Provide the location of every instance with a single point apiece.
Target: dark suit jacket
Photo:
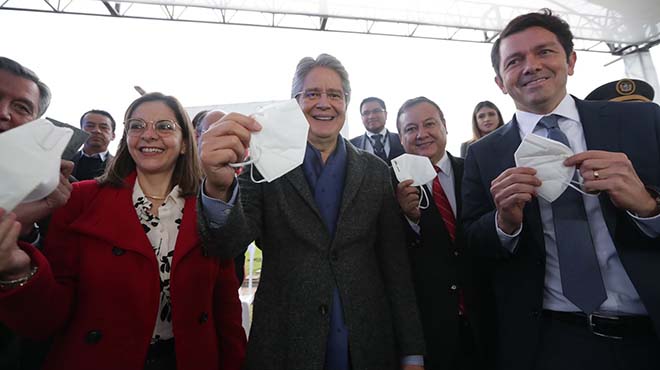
(630, 128)
(302, 264)
(76, 159)
(396, 149)
(440, 267)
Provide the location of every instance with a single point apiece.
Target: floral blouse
(162, 231)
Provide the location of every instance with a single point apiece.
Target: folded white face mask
(280, 145)
(30, 165)
(417, 168)
(547, 157)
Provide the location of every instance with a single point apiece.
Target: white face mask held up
(547, 157)
(280, 145)
(417, 168)
(30, 165)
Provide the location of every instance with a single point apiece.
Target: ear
(571, 63)
(113, 136)
(500, 84)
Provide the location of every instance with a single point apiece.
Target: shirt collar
(566, 109)
(174, 195)
(102, 155)
(444, 164)
(382, 132)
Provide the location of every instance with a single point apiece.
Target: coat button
(453, 287)
(118, 251)
(535, 314)
(204, 317)
(457, 253)
(93, 337)
(334, 256)
(323, 309)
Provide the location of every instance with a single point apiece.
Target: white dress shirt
(622, 297)
(446, 177)
(385, 138)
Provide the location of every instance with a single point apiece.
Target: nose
(323, 101)
(532, 64)
(421, 132)
(5, 115)
(149, 133)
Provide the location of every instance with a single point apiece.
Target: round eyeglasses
(137, 126)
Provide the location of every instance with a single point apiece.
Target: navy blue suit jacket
(396, 149)
(630, 128)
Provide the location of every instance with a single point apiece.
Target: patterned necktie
(441, 201)
(379, 149)
(581, 280)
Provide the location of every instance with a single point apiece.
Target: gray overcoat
(302, 264)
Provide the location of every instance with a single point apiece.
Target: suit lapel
(188, 237)
(395, 145)
(599, 131)
(356, 166)
(298, 181)
(457, 168)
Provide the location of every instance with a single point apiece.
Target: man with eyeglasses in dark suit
(377, 140)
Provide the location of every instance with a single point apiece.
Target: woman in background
(124, 282)
(485, 119)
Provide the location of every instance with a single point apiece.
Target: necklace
(155, 197)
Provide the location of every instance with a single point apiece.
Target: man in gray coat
(335, 289)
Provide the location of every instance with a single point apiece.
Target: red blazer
(97, 290)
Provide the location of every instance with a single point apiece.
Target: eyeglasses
(137, 126)
(314, 95)
(373, 111)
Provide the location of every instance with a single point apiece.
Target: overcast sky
(94, 62)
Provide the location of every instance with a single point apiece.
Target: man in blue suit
(577, 281)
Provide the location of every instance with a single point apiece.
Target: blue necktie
(379, 149)
(580, 273)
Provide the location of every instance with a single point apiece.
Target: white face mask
(30, 161)
(417, 168)
(280, 145)
(547, 157)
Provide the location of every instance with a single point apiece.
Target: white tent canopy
(625, 28)
(619, 24)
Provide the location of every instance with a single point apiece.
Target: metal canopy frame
(458, 24)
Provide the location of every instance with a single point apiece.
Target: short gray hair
(18, 70)
(306, 64)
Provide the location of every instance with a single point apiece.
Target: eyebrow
(27, 102)
(536, 47)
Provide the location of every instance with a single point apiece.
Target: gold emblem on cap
(625, 87)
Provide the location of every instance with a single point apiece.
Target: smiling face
(152, 152)
(423, 131)
(325, 114)
(487, 120)
(534, 69)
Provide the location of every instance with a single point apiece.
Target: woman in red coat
(124, 282)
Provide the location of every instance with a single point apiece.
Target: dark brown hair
(187, 171)
(544, 19)
(476, 133)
